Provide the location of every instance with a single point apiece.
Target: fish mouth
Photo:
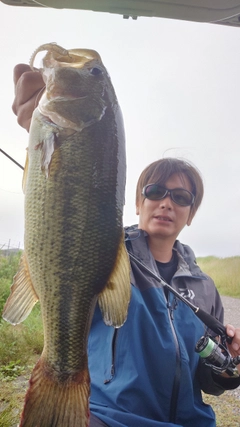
(71, 66)
(76, 58)
(58, 56)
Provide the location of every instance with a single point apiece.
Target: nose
(166, 203)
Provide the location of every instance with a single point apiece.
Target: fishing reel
(217, 356)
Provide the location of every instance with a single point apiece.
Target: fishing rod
(206, 318)
(214, 354)
(14, 161)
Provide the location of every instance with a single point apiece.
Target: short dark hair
(161, 170)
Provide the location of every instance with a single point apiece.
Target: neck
(161, 250)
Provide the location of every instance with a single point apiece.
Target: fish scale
(74, 253)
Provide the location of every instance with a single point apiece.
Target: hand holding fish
(28, 86)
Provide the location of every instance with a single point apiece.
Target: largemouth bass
(74, 254)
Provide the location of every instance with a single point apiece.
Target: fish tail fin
(56, 401)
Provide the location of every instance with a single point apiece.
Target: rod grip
(213, 323)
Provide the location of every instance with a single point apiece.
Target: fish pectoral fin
(114, 299)
(47, 147)
(23, 296)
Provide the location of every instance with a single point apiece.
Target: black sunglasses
(178, 195)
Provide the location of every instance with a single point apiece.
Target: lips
(163, 218)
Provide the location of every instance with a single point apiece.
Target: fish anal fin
(22, 297)
(52, 400)
(114, 299)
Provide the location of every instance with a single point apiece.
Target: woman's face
(164, 218)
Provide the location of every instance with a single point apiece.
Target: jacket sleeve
(207, 381)
(210, 382)
(217, 307)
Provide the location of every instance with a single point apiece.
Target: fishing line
(9, 157)
(9, 191)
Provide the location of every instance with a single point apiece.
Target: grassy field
(225, 272)
(21, 345)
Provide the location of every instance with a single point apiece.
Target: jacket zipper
(176, 384)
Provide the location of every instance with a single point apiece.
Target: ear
(137, 210)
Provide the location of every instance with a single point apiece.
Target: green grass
(226, 408)
(18, 342)
(21, 345)
(225, 272)
(8, 268)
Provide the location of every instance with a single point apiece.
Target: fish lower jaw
(55, 120)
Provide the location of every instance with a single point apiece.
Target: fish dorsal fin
(23, 296)
(114, 299)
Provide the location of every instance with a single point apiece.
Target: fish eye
(95, 71)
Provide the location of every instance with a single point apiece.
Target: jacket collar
(136, 242)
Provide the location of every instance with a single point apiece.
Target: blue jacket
(146, 374)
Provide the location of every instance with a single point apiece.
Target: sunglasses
(178, 195)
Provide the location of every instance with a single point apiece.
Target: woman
(147, 373)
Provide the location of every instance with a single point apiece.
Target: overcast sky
(178, 85)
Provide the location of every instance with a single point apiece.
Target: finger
(235, 345)
(28, 89)
(230, 330)
(18, 70)
(27, 85)
(25, 111)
